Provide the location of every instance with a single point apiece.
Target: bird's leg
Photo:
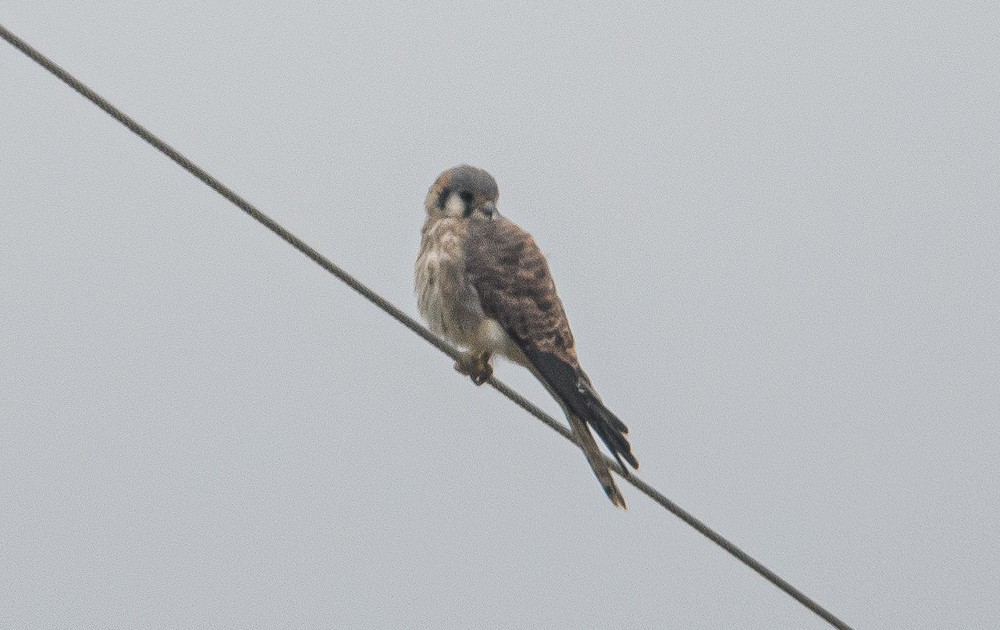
(475, 365)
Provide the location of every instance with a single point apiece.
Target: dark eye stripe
(466, 196)
(443, 197)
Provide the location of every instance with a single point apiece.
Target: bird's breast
(445, 297)
(430, 299)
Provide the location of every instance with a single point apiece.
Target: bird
(482, 283)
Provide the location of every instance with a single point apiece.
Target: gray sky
(775, 230)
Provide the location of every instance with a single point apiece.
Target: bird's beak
(489, 209)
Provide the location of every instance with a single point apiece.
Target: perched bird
(482, 283)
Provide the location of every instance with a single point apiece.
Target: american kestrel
(482, 283)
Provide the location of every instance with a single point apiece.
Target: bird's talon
(484, 375)
(475, 367)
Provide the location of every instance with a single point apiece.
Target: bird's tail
(571, 387)
(596, 460)
(612, 431)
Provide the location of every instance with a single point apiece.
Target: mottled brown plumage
(482, 282)
(510, 273)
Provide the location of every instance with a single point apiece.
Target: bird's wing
(516, 289)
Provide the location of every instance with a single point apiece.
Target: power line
(406, 320)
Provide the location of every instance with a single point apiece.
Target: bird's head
(463, 192)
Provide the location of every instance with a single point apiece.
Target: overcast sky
(775, 229)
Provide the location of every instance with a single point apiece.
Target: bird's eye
(466, 196)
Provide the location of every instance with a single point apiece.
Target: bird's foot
(475, 365)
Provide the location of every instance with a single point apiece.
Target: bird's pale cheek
(454, 207)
